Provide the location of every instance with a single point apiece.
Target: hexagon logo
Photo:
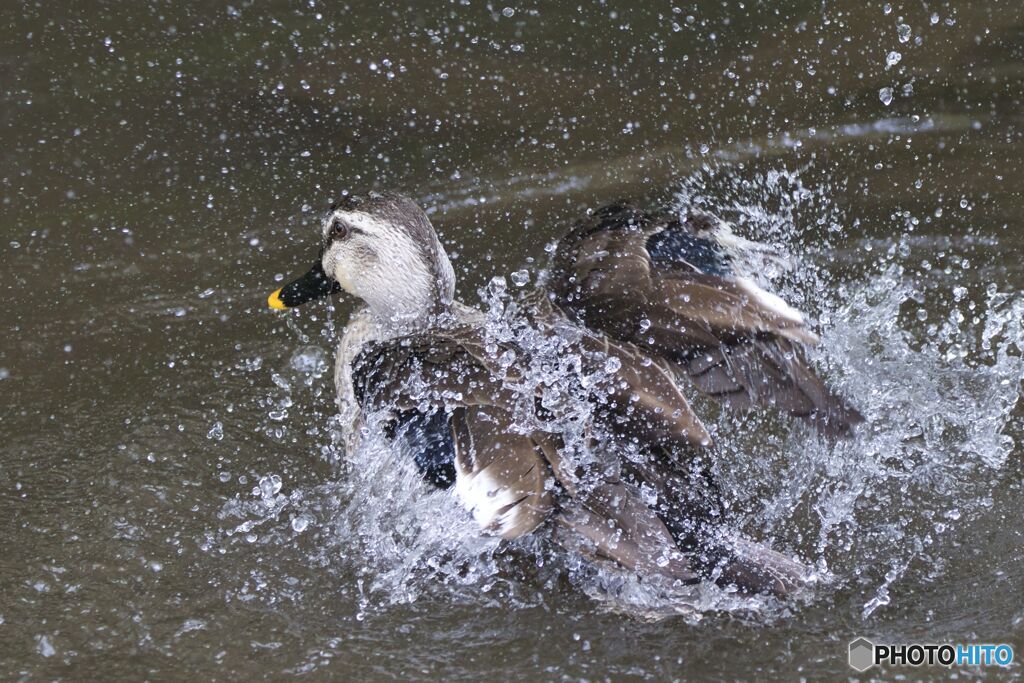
(862, 654)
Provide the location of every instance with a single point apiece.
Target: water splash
(939, 396)
(934, 363)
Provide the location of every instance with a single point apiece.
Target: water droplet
(45, 647)
(496, 287)
(892, 59)
(508, 12)
(216, 432)
(269, 486)
(885, 95)
(300, 523)
(612, 365)
(309, 360)
(903, 31)
(520, 278)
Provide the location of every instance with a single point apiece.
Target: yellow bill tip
(274, 301)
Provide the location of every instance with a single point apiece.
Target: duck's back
(674, 288)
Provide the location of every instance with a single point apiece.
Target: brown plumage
(634, 301)
(732, 342)
(454, 369)
(594, 512)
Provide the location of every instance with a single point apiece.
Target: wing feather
(613, 523)
(501, 475)
(738, 343)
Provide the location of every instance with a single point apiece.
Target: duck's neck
(410, 320)
(413, 291)
(408, 310)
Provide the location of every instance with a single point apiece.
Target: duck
(570, 418)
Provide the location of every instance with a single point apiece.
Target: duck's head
(382, 249)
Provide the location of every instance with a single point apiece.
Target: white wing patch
(494, 505)
(770, 301)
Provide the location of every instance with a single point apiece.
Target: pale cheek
(344, 280)
(362, 280)
(340, 268)
(339, 274)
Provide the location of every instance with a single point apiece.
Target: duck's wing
(513, 480)
(653, 280)
(633, 393)
(641, 398)
(501, 473)
(503, 476)
(438, 385)
(612, 522)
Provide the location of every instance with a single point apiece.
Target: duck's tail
(755, 568)
(732, 561)
(690, 507)
(612, 522)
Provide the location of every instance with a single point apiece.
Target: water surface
(173, 499)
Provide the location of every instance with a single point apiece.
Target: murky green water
(163, 164)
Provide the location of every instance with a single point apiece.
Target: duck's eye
(339, 230)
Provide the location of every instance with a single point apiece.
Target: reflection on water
(176, 499)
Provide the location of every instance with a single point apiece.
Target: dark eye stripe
(339, 230)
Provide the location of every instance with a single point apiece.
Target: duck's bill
(313, 285)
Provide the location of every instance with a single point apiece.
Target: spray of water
(935, 366)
